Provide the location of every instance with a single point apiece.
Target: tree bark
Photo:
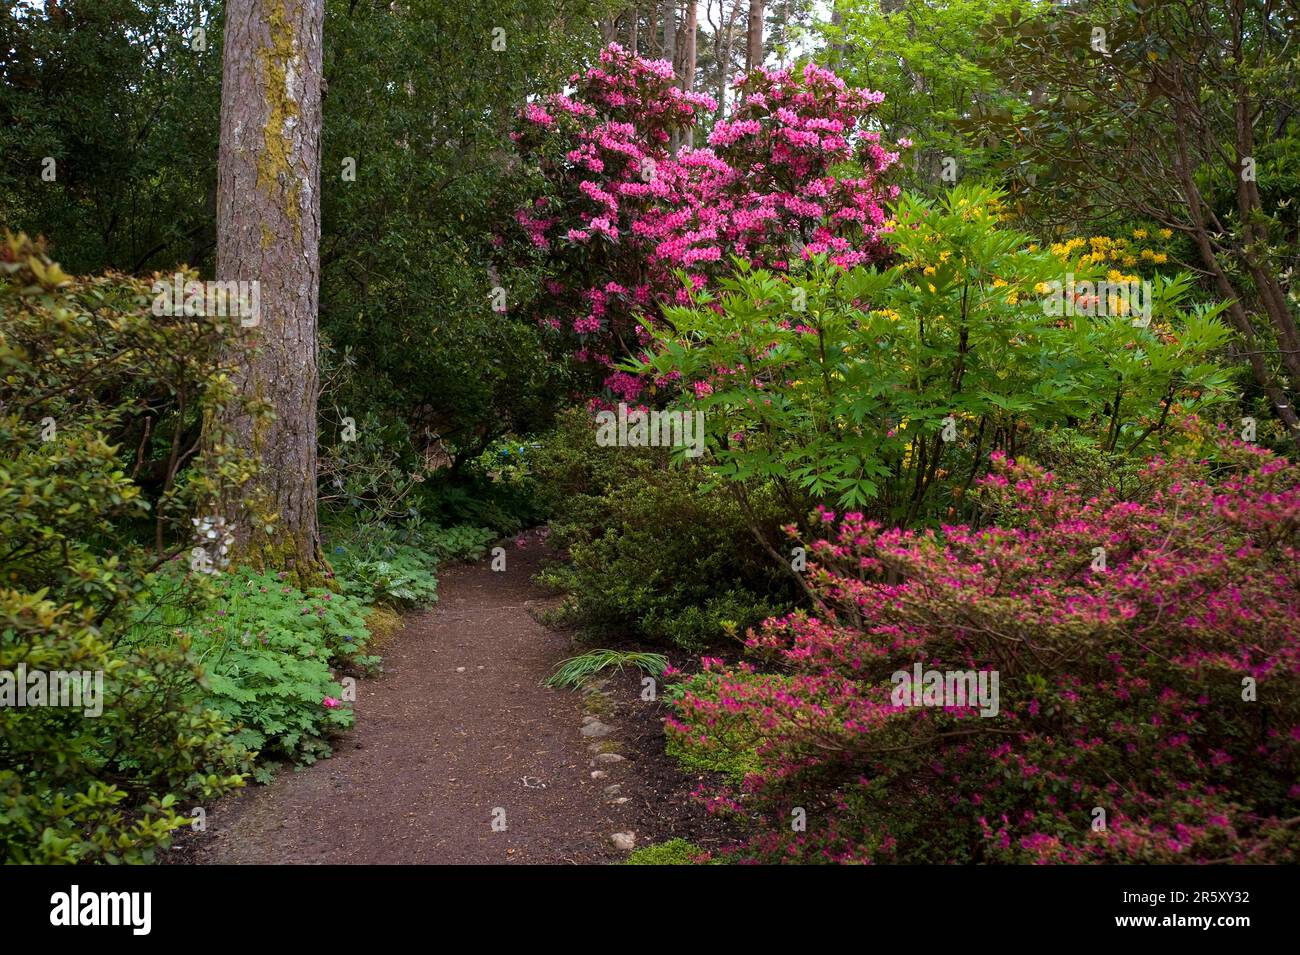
(754, 45)
(1200, 234)
(689, 60)
(724, 70)
(669, 47)
(268, 231)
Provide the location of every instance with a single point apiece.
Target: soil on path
(455, 729)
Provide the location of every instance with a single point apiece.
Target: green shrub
(94, 392)
(885, 390)
(653, 554)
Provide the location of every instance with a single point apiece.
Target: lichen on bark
(274, 165)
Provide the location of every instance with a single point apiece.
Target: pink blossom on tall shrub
(622, 208)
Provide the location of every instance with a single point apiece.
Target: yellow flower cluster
(1116, 250)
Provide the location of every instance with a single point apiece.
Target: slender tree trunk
(268, 231)
(835, 55)
(669, 13)
(689, 60)
(754, 44)
(724, 70)
(1236, 311)
(670, 54)
(633, 29)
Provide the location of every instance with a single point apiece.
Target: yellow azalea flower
(1139, 233)
(1033, 247)
(1165, 233)
(933, 290)
(1042, 288)
(929, 270)
(1147, 254)
(1013, 298)
(944, 256)
(998, 283)
(1129, 260)
(1160, 258)
(1114, 276)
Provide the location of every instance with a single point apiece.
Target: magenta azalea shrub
(1149, 691)
(793, 173)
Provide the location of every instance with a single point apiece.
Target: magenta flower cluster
(1150, 701)
(625, 215)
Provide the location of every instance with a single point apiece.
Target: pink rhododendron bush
(1147, 702)
(624, 222)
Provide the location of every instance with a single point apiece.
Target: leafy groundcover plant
(272, 656)
(1149, 660)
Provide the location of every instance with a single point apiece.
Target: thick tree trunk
(268, 231)
(754, 45)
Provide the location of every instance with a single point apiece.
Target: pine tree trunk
(268, 231)
(670, 30)
(724, 73)
(689, 59)
(754, 47)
